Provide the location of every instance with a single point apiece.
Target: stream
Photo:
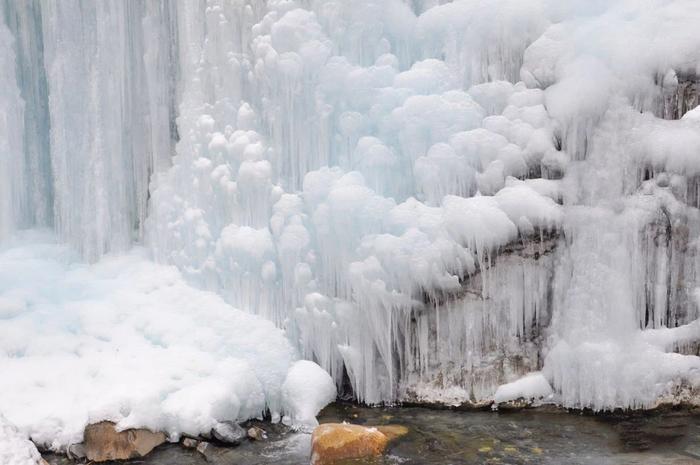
(445, 437)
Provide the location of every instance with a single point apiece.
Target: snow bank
(15, 448)
(534, 386)
(127, 340)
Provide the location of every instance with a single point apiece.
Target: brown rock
(202, 447)
(332, 442)
(189, 443)
(256, 434)
(208, 450)
(103, 442)
(393, 431)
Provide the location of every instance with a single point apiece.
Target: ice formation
(431, 198)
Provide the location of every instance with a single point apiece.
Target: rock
(202, 447)
(103, 442)
(189, 443)
(228, 433)
(393, 431)
(693, 450)
(256, 434)
(76, 451)
(207, 449)
(332, 442)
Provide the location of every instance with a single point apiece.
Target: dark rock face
(678, 98)
(460, 348)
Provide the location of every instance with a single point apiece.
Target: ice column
(13, 194)
(109, 91)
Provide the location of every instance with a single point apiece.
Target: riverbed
(445, 437)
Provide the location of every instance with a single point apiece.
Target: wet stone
(229, 433)
(256, 434)
(190, 443)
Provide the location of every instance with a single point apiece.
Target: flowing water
(468, 437)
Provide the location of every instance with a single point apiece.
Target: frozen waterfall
(431, 199)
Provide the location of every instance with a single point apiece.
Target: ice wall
(432, 198)
(33, 181)
(13, 198)
(98, 81)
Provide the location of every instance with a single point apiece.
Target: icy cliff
(432, 199)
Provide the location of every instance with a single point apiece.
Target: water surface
(448, 437)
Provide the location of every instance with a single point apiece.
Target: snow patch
(129, 341)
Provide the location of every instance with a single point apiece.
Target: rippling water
(454, 437)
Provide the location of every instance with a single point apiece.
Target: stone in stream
(256, 434)
(103, 442)
(189, 443)
(228, 433)
(76, 451)
(204, 448)
(332, 442)
(393, 431)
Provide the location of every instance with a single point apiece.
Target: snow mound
(128, 340)
(15, 449)
(529, 387)
(307, 389)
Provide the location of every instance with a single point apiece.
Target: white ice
(430, 198)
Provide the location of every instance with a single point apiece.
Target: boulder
(228, 433)
(333, 442)
(103, 442)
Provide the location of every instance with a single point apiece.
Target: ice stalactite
(25, 24)
(437, 166)
(680, 93)
(109, 106)
(215, 228)
(483, 43)
(13, 176)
